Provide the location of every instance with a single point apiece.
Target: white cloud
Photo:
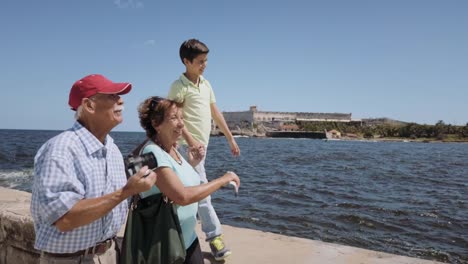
(150, 42)
(128, 3)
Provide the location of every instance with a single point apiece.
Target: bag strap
(135, 198)
(136, 152)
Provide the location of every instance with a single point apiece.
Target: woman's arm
(170, 184)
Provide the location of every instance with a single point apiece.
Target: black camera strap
(136, 198)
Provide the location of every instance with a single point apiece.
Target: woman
(163, 122)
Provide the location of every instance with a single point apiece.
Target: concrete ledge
(248, 246)
(16, 228)
(253, 246)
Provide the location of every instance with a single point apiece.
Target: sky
(401, 59)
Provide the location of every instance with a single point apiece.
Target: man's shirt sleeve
(60, 188)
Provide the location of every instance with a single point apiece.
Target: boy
(199, 108)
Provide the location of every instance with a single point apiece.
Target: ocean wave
(16, 179)
(406, 198)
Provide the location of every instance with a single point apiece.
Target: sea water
(398, 197)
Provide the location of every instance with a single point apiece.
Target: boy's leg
(210, 223)
(208, 217)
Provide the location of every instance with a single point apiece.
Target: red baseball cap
(94, 84)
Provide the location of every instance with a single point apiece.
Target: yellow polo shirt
(197, 110)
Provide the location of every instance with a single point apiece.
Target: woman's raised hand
(196, 154)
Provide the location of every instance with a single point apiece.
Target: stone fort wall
(251, 117)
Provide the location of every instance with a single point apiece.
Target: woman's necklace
(176, 156)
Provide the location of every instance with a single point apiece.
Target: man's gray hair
(78, 112)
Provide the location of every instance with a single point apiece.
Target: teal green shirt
(197, 106)
(189, 177)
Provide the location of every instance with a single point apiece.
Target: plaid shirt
(70, 167)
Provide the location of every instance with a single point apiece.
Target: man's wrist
(125, 192)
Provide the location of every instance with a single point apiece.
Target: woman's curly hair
(152, 112)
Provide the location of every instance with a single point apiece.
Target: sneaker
(218, 249)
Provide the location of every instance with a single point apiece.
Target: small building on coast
(253, 119)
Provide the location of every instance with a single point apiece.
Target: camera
(134, 163)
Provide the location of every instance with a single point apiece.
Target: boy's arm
(221, 123)
(188, 137)
(195, 148)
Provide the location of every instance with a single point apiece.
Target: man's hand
(141, 181)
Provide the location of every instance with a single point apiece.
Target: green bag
(152, 234)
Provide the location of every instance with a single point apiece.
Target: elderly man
(80, 191)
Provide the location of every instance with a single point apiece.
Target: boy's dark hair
(192, 48)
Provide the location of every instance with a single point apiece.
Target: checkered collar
(90, 142)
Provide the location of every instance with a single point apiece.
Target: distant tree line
(439, 131)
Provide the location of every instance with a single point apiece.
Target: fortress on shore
(284, 121)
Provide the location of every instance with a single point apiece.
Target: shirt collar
(89, 141)
(186, 81)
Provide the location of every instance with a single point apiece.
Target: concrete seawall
(248, 246)
(16, 228)
(296, 134)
